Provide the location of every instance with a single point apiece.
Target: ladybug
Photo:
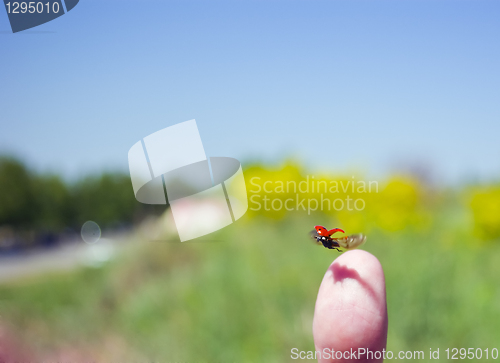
(324, 236)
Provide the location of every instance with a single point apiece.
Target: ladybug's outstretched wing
(322, 231)
(314, 235)
(351, 242)
(335, 230)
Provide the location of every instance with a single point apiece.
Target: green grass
(249, 296)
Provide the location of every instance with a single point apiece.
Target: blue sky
(337, 84)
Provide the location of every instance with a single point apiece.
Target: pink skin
(351, 309)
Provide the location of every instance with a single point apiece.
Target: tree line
(45, 203)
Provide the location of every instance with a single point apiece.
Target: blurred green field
(248, 294)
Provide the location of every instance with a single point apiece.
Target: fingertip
(351, 310)
(360, 266)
